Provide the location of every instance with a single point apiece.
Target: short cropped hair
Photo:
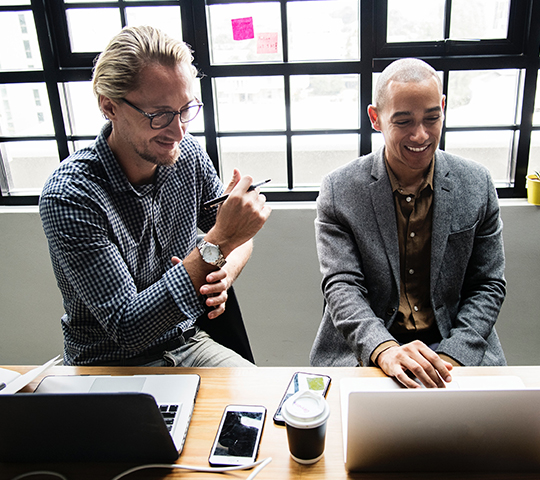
(404, 70)
(116, 69)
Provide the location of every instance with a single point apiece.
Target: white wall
(30, 302)
(519, 320)
(279, 290)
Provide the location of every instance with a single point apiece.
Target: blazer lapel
(442, 214)
(385, 214)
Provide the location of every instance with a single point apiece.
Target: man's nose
(419, 133)
(177, 128)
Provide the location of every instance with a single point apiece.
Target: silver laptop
(477, 424)
(172, 396)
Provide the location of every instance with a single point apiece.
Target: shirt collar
(394, 182)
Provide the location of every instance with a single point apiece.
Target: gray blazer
(357, 243)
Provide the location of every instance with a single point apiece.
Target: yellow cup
(533, 189)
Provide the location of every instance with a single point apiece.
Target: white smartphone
(238, 436)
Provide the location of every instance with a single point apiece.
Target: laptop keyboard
(169, 414)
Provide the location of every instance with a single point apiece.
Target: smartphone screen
(302, 381)
(239, 434)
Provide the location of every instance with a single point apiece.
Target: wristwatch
(211, 253)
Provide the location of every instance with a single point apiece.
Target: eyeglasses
(163, 119)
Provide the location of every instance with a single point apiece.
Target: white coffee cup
(305, 414)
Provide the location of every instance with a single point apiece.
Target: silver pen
(220, 200)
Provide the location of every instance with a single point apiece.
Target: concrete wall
(279, 289)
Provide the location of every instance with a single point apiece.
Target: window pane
(377, 141)
(260, 157)
(492, 149)
(28, 165)
(534, 156)
(81, 111)
(316, 155)
(415, 21)
(25, 110)
(202, 141)
(78, 145)
(250, 103)
(482, 97)
(245, 33)
(19, 48)
(197, 125)
(325, 101)
(479, 19)
(166, 19)
(323, 30)
(90, 29)
(536, 115)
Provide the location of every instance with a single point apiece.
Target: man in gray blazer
(410, 245)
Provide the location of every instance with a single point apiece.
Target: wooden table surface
(265, 385)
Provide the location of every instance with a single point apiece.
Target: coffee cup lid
(305, 409)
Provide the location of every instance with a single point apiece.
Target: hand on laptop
(419, 360)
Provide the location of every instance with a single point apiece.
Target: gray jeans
(201, 351)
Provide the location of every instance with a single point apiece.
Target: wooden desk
(221, 386)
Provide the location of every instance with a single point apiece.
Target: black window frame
(519, 51)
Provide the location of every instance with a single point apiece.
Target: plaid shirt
(111, 245)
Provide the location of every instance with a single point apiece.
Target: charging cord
(260, 465)
(43, 472)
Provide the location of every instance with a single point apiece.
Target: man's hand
(215, 290)
(240, 217)
(418, 359)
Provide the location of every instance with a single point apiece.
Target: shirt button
(411, 271)
(415, 308)
(408, 199)
(412, 234)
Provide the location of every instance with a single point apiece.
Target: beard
(149, 157)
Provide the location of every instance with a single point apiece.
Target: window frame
(519, 51)
(514, 44)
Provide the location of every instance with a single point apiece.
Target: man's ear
(108, 107)
(374, 117)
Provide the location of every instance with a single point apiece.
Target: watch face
(210, 253)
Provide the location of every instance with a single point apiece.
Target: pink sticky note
(242, 28)
(267, 42)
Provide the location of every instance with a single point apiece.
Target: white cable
(43, 472)
(260, 465)
(255, 472)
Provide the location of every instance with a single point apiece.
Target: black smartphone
(302, 381)
(238, 436)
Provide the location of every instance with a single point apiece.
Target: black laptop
(96, 426)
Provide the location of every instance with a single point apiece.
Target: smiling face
(411, 121)
(137, 147)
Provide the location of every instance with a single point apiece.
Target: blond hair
(117, 68)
